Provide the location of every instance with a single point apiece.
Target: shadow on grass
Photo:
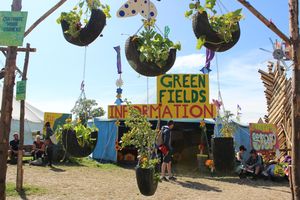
(56, 169)
(22, 195)
(196, 186)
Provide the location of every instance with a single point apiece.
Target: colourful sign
(183, 89)
(56, 119)
(12, 28)
(263, 137)
(21, 90)
(168, 111)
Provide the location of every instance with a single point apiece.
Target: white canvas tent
(34, 120)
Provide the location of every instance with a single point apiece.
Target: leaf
(192, 6)
(200, 42)
(81, 4)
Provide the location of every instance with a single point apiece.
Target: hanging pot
(146, 68)
(202, 27)
(91, 30)
(71, 145)
(146, 181)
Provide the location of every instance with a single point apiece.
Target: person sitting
(254, 164)
(38, 149)
(240, 155)
(240, 161)
(13, 148)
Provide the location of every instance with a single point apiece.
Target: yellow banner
(169, 111)
(183, 89)
(56, 119)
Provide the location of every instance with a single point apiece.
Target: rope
(219, 88)
(219, 1)
(84, 64)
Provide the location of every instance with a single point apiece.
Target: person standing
(48, 143)
(167, 153)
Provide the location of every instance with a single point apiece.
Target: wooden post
(294, 42)
(20, 171)
(6, 107)
(295, 39)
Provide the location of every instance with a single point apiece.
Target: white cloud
(188, 64)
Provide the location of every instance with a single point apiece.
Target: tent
(186, 139)
(105, 150)
(34, 120)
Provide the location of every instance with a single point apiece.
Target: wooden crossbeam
(5, 49)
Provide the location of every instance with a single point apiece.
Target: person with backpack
(166, 150)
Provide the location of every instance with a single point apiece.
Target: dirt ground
(79, 182)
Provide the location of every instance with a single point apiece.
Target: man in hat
(14, 147)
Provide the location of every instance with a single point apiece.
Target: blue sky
(56, 69)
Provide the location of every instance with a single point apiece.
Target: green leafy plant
(228, 126)
(141, 136)
(153, 47)
(79, 15)
(224, 24)
(83, 133)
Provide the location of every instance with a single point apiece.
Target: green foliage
(74, 17)
(224, 24)
(141, 136)
(27, 190)
(228, 126)
(153, 47)
(85, 109)
(83, 133)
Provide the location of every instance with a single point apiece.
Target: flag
(119, 65)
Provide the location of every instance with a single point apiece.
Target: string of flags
(119, 82)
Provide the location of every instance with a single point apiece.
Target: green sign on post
(12, 28)
(21, 90)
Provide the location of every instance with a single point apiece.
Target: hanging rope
(219, 88)
(224, 7)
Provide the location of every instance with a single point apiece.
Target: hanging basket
(202, 27)
(71, 145)
(146, 180)
(91, 30)
(146, 68)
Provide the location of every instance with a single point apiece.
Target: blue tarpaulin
(105, 149)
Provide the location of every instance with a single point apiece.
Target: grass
(27, 190)
(87, 162)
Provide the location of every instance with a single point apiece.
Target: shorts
(167, 158)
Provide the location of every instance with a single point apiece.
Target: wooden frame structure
(278, 92)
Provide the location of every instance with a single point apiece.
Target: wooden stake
(19, 182)
(264, 20)
(49, 12)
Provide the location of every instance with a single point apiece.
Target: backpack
(159, 137)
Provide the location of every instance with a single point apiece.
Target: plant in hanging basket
(77, 139)
(216, 32)
(142, 137)
(149, 53)
(84, 23)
